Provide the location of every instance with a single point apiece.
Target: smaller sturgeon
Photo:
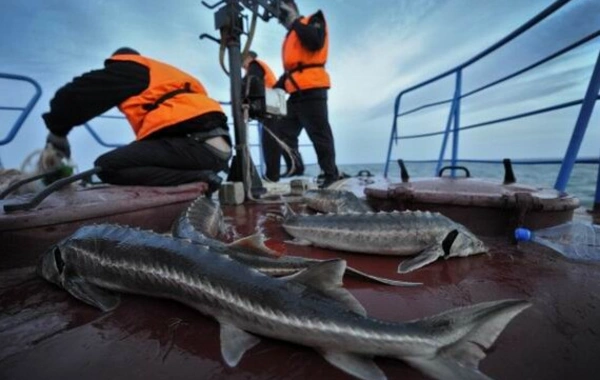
(202, 222)
(334, 201)
(425, 234)
(309, 308)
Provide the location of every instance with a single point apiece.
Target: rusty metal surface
(485, 206)
(47, 334)
(24, 235)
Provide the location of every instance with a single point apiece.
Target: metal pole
(596, 209)
(456, 120)
(242, 169)
(235, 72)
(451, 117)
(579, 131)
(393, 136)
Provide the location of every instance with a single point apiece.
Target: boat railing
(24, 110)
(453, 123)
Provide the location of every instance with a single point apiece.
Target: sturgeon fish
(309, 308)
(427, 235)
(202, 222)
(334, 201)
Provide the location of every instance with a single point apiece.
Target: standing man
(304, 55)
(181, 134)
(258, 77)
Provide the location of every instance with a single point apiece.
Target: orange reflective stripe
(189, 98)
(305, 69)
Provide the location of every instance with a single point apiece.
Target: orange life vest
(172, 96)
(270, 78)
(304, 69)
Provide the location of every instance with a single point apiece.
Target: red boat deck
(25, 235)
(48, 334)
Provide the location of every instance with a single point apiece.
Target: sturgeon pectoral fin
(382, 280)
(445, 368)
(255, 243)
(298, 242)
(359, 366)
(92, 294)
(234, 343)
(427, 256)
(326, 277)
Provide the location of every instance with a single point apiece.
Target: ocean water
(582, 182)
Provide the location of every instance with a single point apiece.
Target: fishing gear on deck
(229, 21)
(39, 197)
(27, 180)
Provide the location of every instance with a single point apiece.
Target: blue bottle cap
(522, 234)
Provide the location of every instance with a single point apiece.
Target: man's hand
(59, 143)
(289, 14)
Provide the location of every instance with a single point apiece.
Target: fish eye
(448, 241)
(60, 264)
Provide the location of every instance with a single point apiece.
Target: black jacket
(97, 91)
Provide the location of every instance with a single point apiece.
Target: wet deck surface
(25, 235)
(47, 334)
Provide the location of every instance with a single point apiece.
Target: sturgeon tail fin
(464, 335)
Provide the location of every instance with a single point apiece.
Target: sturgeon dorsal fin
(359, 366)
(256, 244)
(234, 343)
(287, 211)
(326, 277)
(427, 256)
(91, 294)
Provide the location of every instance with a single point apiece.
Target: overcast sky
(378, 48)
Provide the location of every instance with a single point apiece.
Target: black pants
(271, 150)
(309, 111)
(165, 161)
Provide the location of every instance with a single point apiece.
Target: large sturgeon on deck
(309, 308)
(203, 222)
(425, 234)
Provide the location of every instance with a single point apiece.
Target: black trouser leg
(166, 161)
(271, 151)
(314, 118)
(290, 128)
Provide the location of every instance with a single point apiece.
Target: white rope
(286, 149)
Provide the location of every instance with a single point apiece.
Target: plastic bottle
(574, 240)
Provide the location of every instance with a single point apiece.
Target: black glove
(59, 143)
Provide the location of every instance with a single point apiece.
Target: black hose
(22, 182)
(39, 197)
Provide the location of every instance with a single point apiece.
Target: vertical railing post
(596, 208)
(392, 136)
(447, 131)
(580, 127)
(456, 130)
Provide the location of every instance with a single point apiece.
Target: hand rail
(453, 122)
(25, 111)
(516, 33)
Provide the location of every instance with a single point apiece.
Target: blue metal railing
(453, 122)
(25, 111)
